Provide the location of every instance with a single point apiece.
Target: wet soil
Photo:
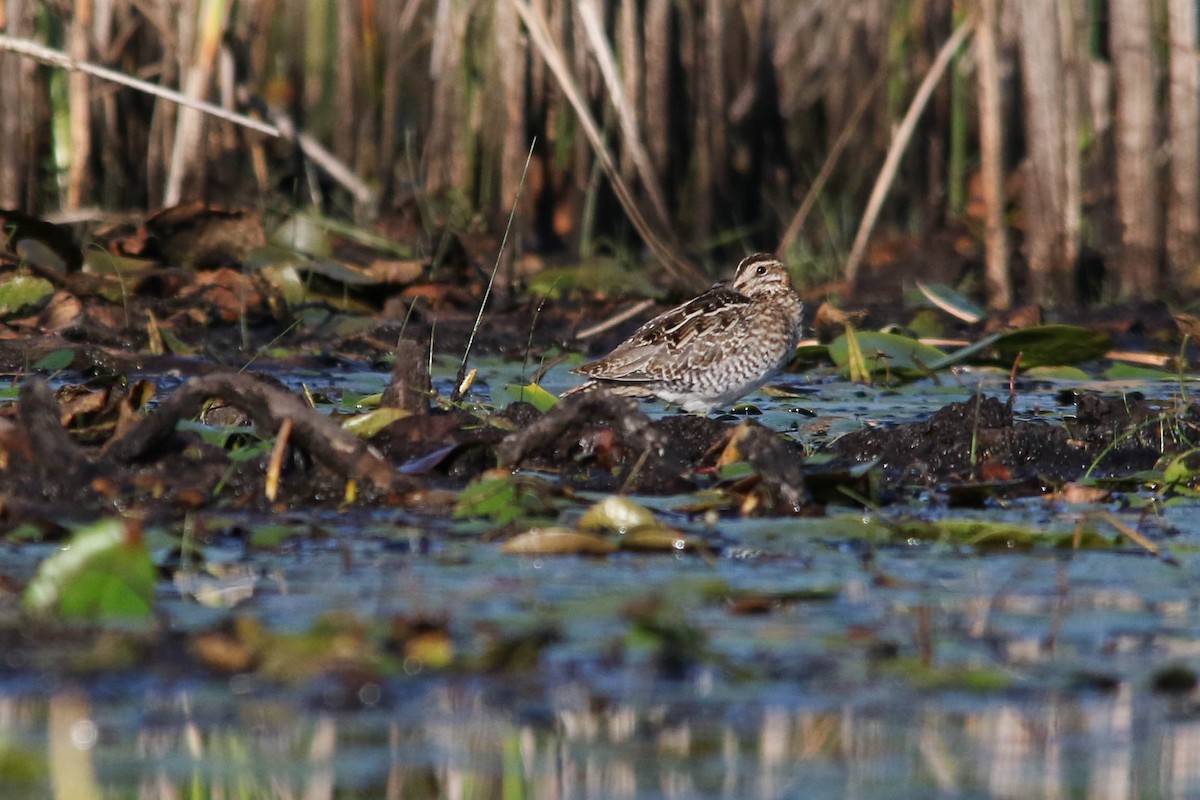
(122, 448)
(211, 334)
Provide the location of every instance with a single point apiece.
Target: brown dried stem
(900, 142)
(319, 155)
(539, 34)
(991, 154)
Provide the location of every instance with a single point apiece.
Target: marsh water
(797, 658)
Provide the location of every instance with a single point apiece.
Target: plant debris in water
(177, 444)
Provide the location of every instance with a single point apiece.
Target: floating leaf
(989, 535)
(1132, 372)
(660, 540)
(272, 535)
(1176, 678)
(251, 450)
(104, 573)
(734, 470)
(1052, 344)
(19, 291)
(367, 425)
(302, 233)
(1057, 374)
(964, 353)
(983, 534)
(1183, 468)
(746, 410)
(102, 262)
(617, 514)
(784, 392)
(952, 301)
(926, 324)
(531, 393)
(339, 272)
(55, 360)
(503, 497)
(812, 352)
(286, 279)
(880, 351)
(39, 242)
(557, 542)
(431, 647)
(956, 678)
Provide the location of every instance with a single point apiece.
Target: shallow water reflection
(469, 740)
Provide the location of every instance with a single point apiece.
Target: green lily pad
(952, 301)
(102, 262)
(884, 351)
(18, 292)
(735, 471)
(1183, 468)
(55, 360)
(1052, 344)
(504, 498)
(530, 393)
(1058, 373)
(105, 573)
(1132, 372)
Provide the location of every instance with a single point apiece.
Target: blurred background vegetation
(1053, 146)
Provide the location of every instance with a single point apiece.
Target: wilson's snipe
(709, 351)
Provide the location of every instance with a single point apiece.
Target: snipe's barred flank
(709, 351)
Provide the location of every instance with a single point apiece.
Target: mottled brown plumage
(712, 350)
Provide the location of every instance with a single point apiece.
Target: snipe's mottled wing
(689, 336)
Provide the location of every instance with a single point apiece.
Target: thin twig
(309, 146)
(327, 161)
(1136, 537)
(460, 384)
(57, 58)
(900, 142)
(529, 340)
(601, 327)
(1012, 381)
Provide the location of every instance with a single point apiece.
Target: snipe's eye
(762, 270)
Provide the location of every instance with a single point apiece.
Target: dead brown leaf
(401, 271)
(63, 310)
